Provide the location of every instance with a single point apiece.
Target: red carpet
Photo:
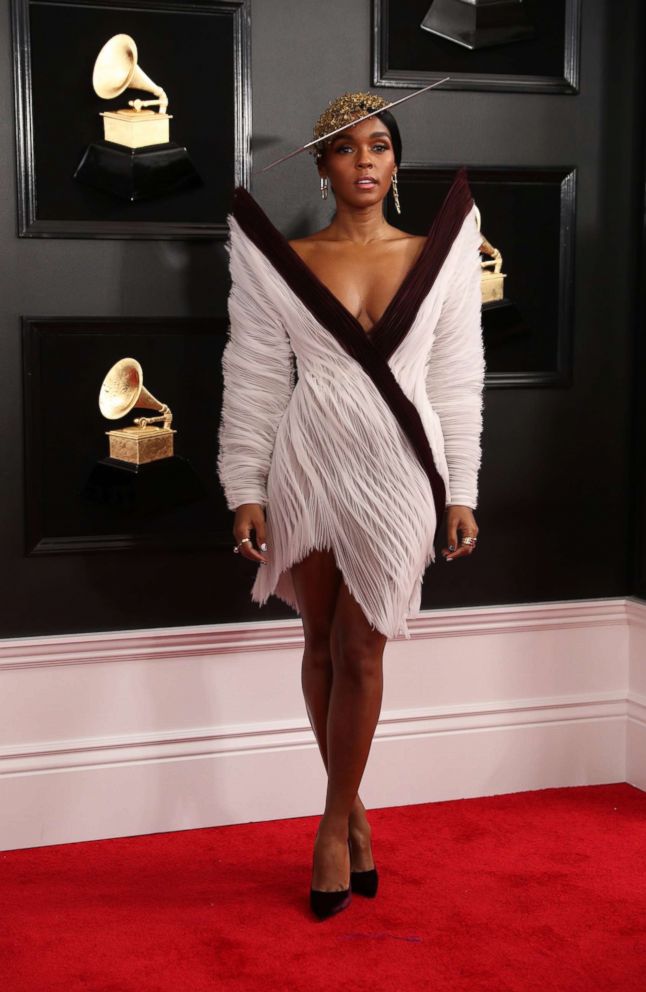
(540, 891)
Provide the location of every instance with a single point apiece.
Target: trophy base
(144, 489)
(478, 23)
(136, 129)
(135, 174)
(139, 445)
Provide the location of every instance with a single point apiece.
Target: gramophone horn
(123, 388)
(116, 69)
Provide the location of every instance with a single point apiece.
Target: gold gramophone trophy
(136, 159)
(142, 476)
(493, 278)
(122, 390)
(478, 23)
(502, 318)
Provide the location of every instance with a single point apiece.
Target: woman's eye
(380, 147)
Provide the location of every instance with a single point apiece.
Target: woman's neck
(360, 225)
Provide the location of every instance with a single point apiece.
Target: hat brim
(343, 127)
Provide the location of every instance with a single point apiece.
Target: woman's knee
(355, 657)
(317, 656)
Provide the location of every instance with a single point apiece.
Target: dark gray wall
(637, 536)
(556, 495)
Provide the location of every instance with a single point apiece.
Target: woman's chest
(364, 280)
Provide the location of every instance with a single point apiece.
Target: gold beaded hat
(347, 109)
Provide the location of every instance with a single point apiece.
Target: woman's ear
(320, 165)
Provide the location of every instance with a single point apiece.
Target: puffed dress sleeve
(258, 377)
(456, 369)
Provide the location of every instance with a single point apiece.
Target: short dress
(353, 441)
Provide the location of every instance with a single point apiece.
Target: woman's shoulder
(310, 245)
(316, 236)
(416, 239)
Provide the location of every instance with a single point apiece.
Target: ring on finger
(245, 540)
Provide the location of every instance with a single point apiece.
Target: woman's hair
(393, 127)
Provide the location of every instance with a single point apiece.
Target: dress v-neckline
(333, 301)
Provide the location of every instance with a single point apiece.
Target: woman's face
(359, 163)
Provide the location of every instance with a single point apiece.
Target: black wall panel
(558, 506)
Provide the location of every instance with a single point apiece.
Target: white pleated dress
(353, 441)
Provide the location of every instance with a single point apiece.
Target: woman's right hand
(250, 516)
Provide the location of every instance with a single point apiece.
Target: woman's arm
(456, 368)
(258, 371)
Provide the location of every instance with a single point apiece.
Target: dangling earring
(396, 194)
(324, 188)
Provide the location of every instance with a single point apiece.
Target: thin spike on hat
(340, 114)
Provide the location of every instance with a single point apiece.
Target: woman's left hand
(459, 519)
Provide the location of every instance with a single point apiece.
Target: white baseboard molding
(636, 748)
(636, 709)
(157, 643)
(480, 702)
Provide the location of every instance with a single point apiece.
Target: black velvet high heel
(365, 883)
(325, 904)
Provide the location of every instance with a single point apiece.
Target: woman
(344, 476)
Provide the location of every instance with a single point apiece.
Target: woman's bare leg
(317, 581)
(353, 713)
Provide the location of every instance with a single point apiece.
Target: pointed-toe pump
(324, 904)
(364, 883)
